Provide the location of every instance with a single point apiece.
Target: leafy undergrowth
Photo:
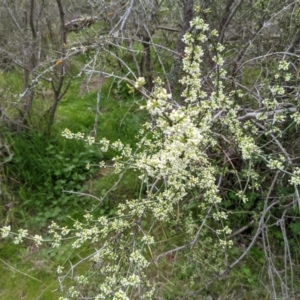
(45, 165)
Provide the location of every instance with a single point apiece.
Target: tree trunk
(146, 63)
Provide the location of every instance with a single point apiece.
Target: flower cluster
(159, 102)
(77, 136)
(295, 179)
(5, 231)
(140, 82)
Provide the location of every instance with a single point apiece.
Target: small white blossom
(90, 140)
(67, 134)
(275, 164)
(295, 178)
(73, 292)
(283, 65)
(105, 145)
(82, 280)
(137, 258)
(79, 136)
(277, 90)
(118, 145)
(139, 83)
(148, 239)
(5, 231)
(296, 117)
(199, 24)
(225, 243)
(287, 76)
(220, 215)
(38, 240)
(120, 295)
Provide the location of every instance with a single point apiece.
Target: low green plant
(41, 172)
(45, 165)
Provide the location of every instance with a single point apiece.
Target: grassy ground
(27, 272)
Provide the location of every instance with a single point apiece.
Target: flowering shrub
(184, 160)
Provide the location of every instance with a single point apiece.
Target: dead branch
(78, 24)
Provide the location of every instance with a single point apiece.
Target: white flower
(38, 240)
(90, 140)
(105, 145)
(283, 65)
(137, 258)
(139, 83)
(59, 269)
(5, 231)
(67, 134)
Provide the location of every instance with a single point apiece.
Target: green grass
(25, 274)
(29, 273)
(45, 164)
(120, 116)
